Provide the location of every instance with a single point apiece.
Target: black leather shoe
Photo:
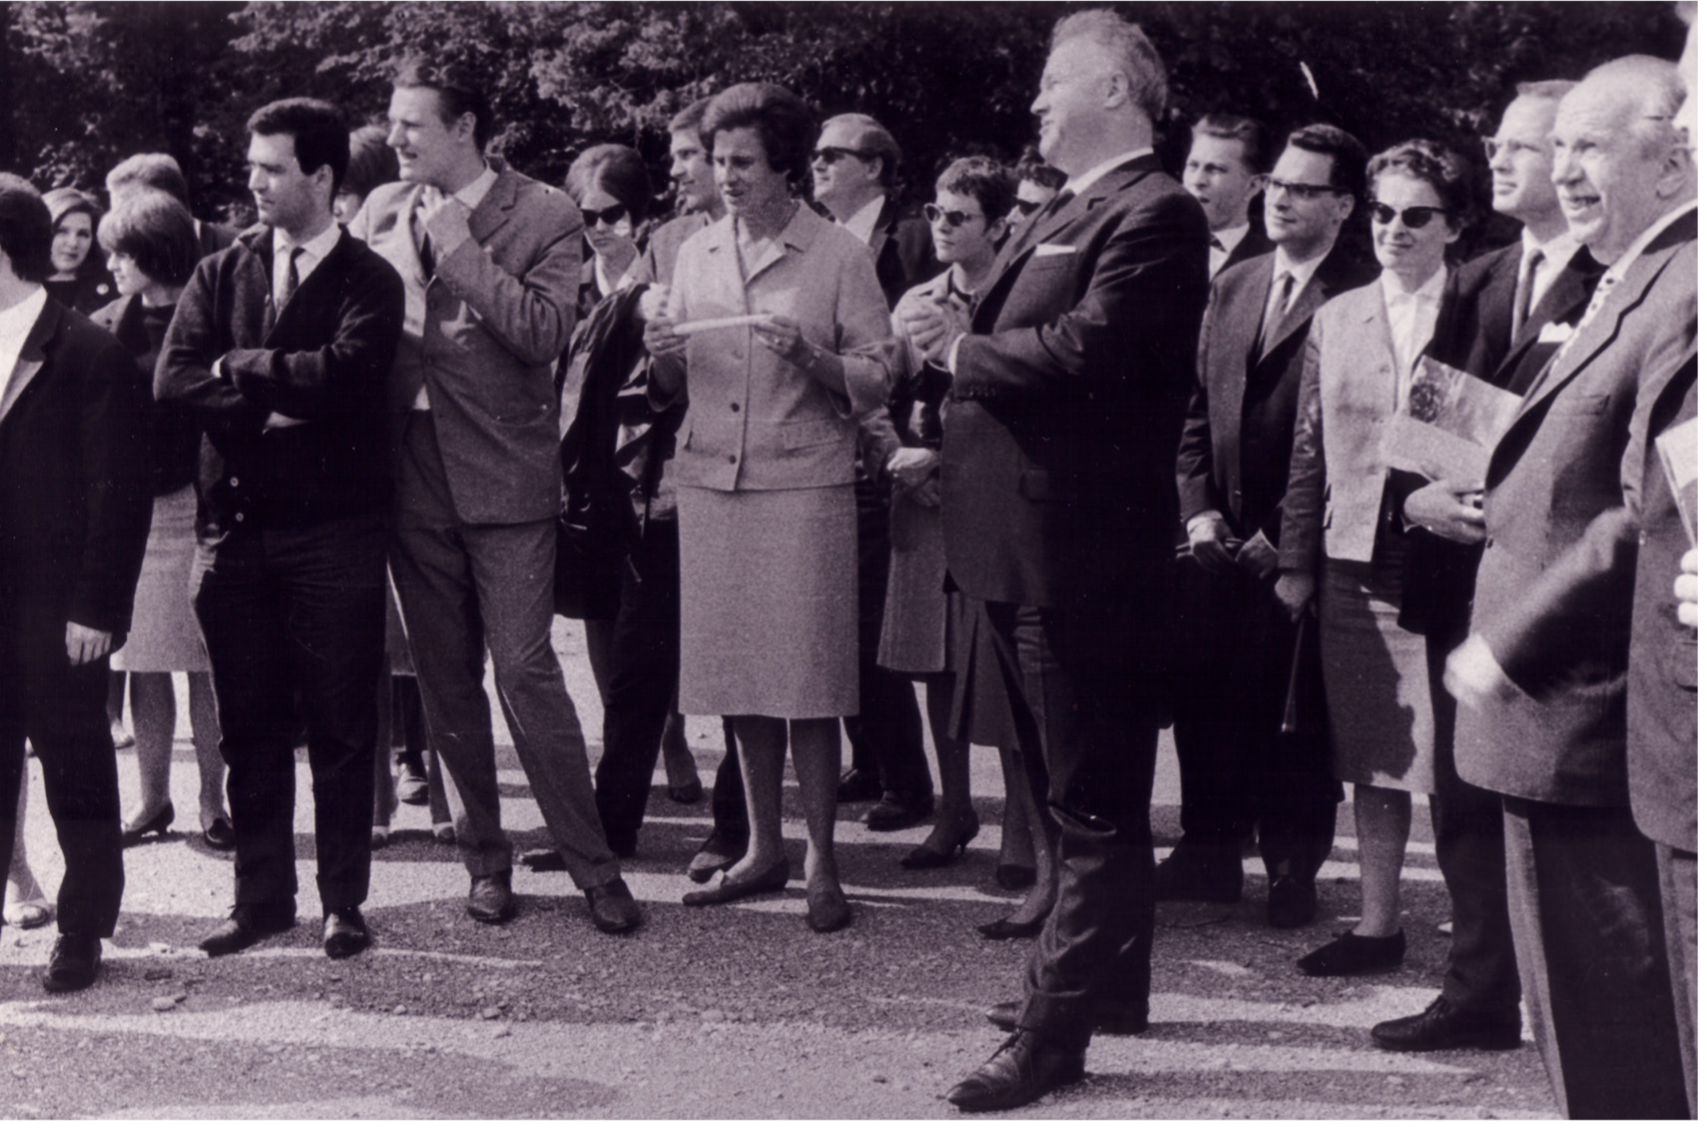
(899, 809)
(687, 792)
(1291, 902)
(1004, 929)
(219, 835)
(157, 825)
(249, 923)
(345, 933)
(858, 785)
(1199, 873)
(1109, 1018)
(411, 784)
(1350, 955)
(613, 908)
(1024, 1068)
(1445, 1027)
(489, 899)
(827, 910)
(75, 962)
(718, 852)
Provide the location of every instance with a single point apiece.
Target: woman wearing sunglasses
(1344, 503)
(610, 186)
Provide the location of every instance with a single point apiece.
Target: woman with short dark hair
(78, 280)
(610, 186)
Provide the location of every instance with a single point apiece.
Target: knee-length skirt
(769, 602)
(914, 619)
(164, 636)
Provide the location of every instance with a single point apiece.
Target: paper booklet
(1449, 425)
(1678, 448)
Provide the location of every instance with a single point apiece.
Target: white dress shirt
(862, 222)
(1412, 316)
(1558, 252)
(312, 253)
(1077, 183)
(15, 325)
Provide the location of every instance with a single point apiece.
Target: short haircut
(1430, 162)
(1235, 127)
(984, 179)
(69, 201)
(156, 232)
(616, 170)
(1131, 50)
(26, 229)
(783, 122)
(1550, 90)
(318, 129)
(690, 119)
(459, 91)
(371, 161)
(158, 171)
(1348, 156)
(1652, 91)
(873, 139)
(1033, 169)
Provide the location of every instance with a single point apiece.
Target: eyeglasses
(1027, 206)
(1274, 185)
(955, 219)
(1413, 218)
(609, 216)
(830, 154)
(1494, 146)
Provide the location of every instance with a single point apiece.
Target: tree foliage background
(83, 84)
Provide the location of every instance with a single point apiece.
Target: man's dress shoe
(489, 899)
(1445, 1027)
(1291, 902)
(613, 908)
(250, 922)
(1199, 873)
(718, 852)
(899, 810)
(75, 962)
(411, 784)
(1108, 1018)
(345, 933)
(858, 785)
(1026, 1067)
(1004, 929)
(1350, 955)
(219, 835)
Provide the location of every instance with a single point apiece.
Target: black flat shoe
(1350, 955)
(1004, 929)
(489, 899)
(1025, 1068)
(732, 890)
(689, 793)
(345, 933)
(897, 811)
(155, 825)
(1445, 1027)
(1014, 876)
(827, 911)
(75, 963)
(923, 856)
(613, 908)
(718, 852)
(219, 835)
(249, 923)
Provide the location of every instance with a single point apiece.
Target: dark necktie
(1275, 310)
(1523, 291)
(428, 260)
(292, 279)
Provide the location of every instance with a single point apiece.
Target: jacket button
(239, 517)
(233, 482)
(735, 407)
(732, 459)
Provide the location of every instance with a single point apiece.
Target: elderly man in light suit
(490, 261)
(1543, 719)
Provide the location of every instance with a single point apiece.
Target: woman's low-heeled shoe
(219, 835)
(1349, 954)
(732, 890)
(1014, 876)
(1004, 929)
(154, 825)
(924, 857)
(827, 910)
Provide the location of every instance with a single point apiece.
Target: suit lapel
(493, 210)
(31, 357)
(883, 230)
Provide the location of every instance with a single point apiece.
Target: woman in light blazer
(1344, 503)
(795, 349)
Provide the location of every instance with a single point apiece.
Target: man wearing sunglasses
(1237, 645)
(853, 168)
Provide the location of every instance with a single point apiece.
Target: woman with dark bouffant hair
(777, 335)
(78, 280)
(610, 186)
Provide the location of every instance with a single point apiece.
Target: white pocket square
(1554, 333)
(1053, 250)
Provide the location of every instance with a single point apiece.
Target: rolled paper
(694, 326)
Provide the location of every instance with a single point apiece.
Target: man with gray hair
(1542, 676)
(1059, 512)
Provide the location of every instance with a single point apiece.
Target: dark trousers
(887, 733)
(291, 615)
(1588, 926)
(1467, 828)
(61, 710)
(1069, 673)
(1235, 649)
(1677, 879)
(644, 665)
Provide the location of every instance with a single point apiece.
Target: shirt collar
(1231, 237)
(1428, 294)
(316, 247)
(1618, 269)
(16, 322)
(863, 221)
(1076, 184)
(1557, 251)
(1302, 271)
(475, 192)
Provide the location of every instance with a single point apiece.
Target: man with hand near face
(278, 352)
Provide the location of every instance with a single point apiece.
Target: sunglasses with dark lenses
(954, 218)
(1274, 185)
(1027, 206)
(609, 216)
(829, 154)
(1412, 217)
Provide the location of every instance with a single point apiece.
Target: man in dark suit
(1237, 645)
(490, 261)
(1059, 509)
(1497, 304)
(1543, 718)
(1222, 172)
(853, 169)
(278, 353)
(74, 511)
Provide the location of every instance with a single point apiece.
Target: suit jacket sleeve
(1304, 498)
(1195, 492)
(184, 371)
(316, 382)
(1133, 293)
(863, 338)
(531, 314)
(116, 468)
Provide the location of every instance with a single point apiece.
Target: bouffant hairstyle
(781, 119)
(26, 229)
(616, 170)
(156, 232)
(1429, 162)
(985, 180)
